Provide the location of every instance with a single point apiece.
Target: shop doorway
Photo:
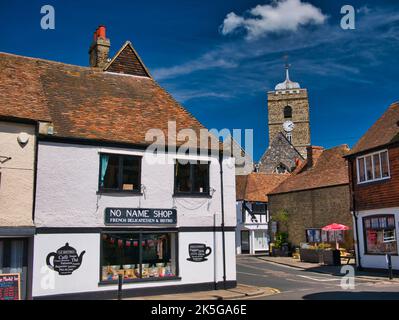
(261, 241)
(14, 259)
(245, 242)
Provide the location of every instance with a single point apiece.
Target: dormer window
(281, 169)
(373, 167)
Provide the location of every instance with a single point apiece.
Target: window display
(313, 235)
(138, 255)
(380, 234)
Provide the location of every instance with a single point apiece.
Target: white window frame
(363, 158)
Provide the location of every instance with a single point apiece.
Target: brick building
(374, 181)
(317, 194)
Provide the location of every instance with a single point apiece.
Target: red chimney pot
(101, 32)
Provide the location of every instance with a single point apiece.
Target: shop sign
(131, 216)
(198, 252)
(65, 260)
(10, 286)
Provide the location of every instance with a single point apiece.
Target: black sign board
(65, 261)
(127, 216)
(10, 286)
(198, 252)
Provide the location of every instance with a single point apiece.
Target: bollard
(389, 263)
(120, 282)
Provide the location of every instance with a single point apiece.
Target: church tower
(288, 113)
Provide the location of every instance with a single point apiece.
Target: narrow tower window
(287, 112)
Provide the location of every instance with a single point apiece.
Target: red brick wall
(379, 194)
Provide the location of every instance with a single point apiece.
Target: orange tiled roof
(384, 131)
(330, 169)
(83, 102)
(256, 185)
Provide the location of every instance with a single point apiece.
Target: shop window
(191, 178)
(318, 235)
(120, 173)
(14, 259)
(373, 167)
(138, 256)
(380, 234)
(313, 235)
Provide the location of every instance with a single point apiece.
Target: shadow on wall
(348, 295)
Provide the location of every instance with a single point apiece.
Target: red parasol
(335, 227)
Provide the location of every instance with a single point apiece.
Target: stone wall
(300, 117)
(313, 209)
(279, 152)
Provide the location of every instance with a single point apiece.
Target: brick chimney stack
(313, 154)
(99, 49)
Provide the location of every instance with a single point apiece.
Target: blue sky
(220, 70)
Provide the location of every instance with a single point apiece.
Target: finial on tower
(287, 84)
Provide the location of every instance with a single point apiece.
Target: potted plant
(281, 247)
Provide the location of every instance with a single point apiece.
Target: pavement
(332, 270)
(242, 291)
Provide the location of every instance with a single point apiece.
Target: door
(261, 241)
(245, 241)
(14, 259)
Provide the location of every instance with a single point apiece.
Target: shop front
(164, 236)
(87, 265)
(378, 234)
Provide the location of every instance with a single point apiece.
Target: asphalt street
(298, 284)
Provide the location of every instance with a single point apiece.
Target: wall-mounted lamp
(23, 138)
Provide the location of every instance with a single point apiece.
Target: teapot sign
(65, 260)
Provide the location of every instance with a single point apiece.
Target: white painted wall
(376, 261)
(17, 175)
(86, 278)
(67, 182)
(251, 227)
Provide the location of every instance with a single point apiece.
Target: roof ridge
(46, 60)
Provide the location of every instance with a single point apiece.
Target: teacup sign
(65, 260)
(198, 252)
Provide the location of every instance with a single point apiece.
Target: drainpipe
(222, 225)
(355, 216)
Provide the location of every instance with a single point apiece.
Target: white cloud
(281, 15)
(207, 61)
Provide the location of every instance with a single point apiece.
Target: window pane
(159, 258)
(362, 176)
(369, 168)
(201, 178)
(131, 173)
(385, 164)
(380, 235)
(377, 168)
(109, 175)
(183, 183)
(120, 255)
(259, 207)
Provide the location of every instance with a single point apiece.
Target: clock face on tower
(288, 126)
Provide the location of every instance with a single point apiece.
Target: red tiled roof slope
(86, 103)
(330, 169)
(384, 131)
(256, 185)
